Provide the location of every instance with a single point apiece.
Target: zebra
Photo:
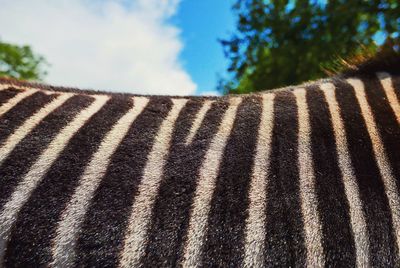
(306, 175)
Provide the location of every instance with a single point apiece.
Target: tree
(21, 62)
(282, 42)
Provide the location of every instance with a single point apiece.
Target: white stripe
(135, 238)
(30, 124)
(15, 100)
(71, 218)
(389, 180)
(387, 85)
(308, 198)
(255, 222)
(357, 217)
(29, 182)
(3, 87)
(198, 120)
(205, 188)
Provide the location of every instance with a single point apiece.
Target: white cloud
(115, 45)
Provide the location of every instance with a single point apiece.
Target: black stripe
(372, 193)
(172, 207)
(333, 207)
(224, 243)
(37, 221)
(15, 117)
(284, 243)
(386, 122)
(7, 94)
(102, 233)
(396, 85)
(27, 151)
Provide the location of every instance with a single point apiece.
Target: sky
(167, 47)
(203, 22)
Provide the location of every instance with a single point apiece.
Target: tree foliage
(21, 62)
(283, 42)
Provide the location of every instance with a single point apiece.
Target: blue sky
(203, 22)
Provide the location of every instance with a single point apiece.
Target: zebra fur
(301, 176)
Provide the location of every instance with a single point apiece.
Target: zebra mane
(362, 64)
(366, 63)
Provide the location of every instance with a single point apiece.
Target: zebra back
(301, 176)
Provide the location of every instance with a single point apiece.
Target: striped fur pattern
(303, 176)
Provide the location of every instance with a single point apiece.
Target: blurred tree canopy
(21, 62)
(284, 42)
